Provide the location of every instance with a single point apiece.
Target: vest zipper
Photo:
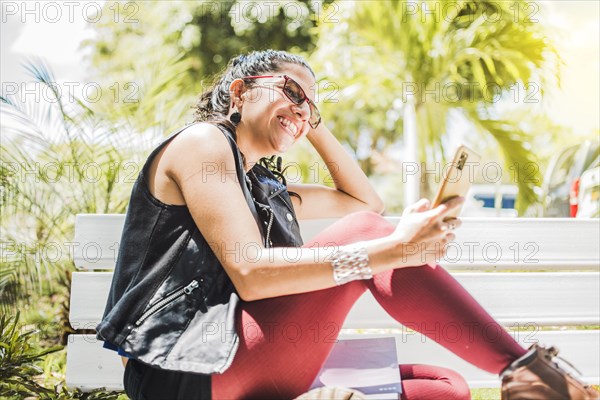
(267, 239)
(268, 210)
(287, 205)
(168, 300)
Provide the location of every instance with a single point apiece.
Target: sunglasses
(296, 95)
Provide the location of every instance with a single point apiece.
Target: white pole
(412, 168)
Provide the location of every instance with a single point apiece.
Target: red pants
(284, 341)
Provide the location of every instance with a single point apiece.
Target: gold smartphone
(457, 177)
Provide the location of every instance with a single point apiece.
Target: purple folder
(367, 365)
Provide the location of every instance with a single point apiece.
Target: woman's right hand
(423, 232)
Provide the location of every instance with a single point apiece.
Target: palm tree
(442, 58)
(58, 158)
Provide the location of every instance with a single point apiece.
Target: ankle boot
(536, 376)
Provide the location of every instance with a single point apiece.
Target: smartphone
(457, 177)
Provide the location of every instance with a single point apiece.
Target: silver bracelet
(351, 263)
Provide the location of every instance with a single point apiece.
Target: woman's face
(270, 120)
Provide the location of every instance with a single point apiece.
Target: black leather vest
(171, 304)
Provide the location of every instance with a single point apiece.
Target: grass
(485, 394)
(494, 394)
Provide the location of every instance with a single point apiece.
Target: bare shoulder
(200, 139)
(194, 148)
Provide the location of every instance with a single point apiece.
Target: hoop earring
(235, 118)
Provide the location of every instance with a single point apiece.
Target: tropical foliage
(20, 359)
(156, 57)
(58, 159)
(17, 357)
(451, 59)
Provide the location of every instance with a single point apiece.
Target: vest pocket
(171, 298)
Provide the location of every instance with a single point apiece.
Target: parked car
(560, 190)
(488, 200)
(588, 198)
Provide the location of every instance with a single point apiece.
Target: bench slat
(90, 366)
(512, 298)
(481, 243)
(575, 346)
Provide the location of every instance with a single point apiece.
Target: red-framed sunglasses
(296, 95)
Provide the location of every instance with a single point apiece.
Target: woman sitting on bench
(214, 294)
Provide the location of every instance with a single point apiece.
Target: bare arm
(218, 207)
(353, 191)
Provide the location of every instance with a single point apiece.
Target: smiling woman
(204, 290)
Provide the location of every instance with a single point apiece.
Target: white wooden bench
(560, 290)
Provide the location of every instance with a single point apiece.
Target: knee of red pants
(358, 226)
(460, 387)
(433, 381)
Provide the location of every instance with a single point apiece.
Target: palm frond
(519, 158)
(385, 50)
(49, 148)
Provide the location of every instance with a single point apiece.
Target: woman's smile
(290, 127)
